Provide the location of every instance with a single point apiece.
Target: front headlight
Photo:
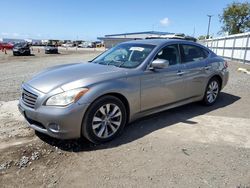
(66, 98)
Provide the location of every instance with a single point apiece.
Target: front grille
(28, 98)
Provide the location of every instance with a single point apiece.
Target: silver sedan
(134, 79)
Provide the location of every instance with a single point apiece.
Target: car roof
(158, 42)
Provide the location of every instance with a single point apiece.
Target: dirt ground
(189, 146)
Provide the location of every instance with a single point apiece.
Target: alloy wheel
(212, 91)
(107, 120)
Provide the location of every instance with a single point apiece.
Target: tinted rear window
(191, 53)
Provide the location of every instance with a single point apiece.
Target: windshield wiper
(109, 63)
(100, 62)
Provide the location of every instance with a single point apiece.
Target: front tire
(212, 92)
(104, 120)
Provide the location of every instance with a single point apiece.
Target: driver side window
(170, 53)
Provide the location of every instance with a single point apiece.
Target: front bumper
(57, 122)
(17, 52)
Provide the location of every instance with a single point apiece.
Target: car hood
(18, 47)
(58, 76)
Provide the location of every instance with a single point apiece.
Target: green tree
(236, 18)
(202, 37)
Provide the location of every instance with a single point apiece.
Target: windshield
(20, 45)
(125, 55)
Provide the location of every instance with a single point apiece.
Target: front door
(163, 86)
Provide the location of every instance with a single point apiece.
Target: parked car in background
(82, 45)
(7, 46)
(134, 79)
(51, 49)
(85, 44)
(21, 49)
(98, 44)
(67, 45)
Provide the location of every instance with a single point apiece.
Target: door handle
(207, 67)
(180, 73)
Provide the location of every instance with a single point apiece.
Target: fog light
(54, 127)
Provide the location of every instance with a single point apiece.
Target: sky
(89, 19)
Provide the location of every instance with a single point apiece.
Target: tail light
(225, 64)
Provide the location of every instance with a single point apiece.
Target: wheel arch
(121, 97)
(218, 77)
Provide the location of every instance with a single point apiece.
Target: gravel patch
(17, 70)
(189, 146)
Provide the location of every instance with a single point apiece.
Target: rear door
(194, 59)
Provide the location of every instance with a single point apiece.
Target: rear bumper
(225, 78)
(51, 51)
(57, 122)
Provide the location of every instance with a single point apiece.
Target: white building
(112, 40)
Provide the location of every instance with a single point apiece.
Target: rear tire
(104, 120)
(212, 92)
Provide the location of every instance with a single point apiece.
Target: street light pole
(208, 28)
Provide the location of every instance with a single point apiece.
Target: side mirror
(159, 64)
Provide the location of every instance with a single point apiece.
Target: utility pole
(208, 28)
(194, 32)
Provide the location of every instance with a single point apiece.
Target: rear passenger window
(192, 53)
(170, 53)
